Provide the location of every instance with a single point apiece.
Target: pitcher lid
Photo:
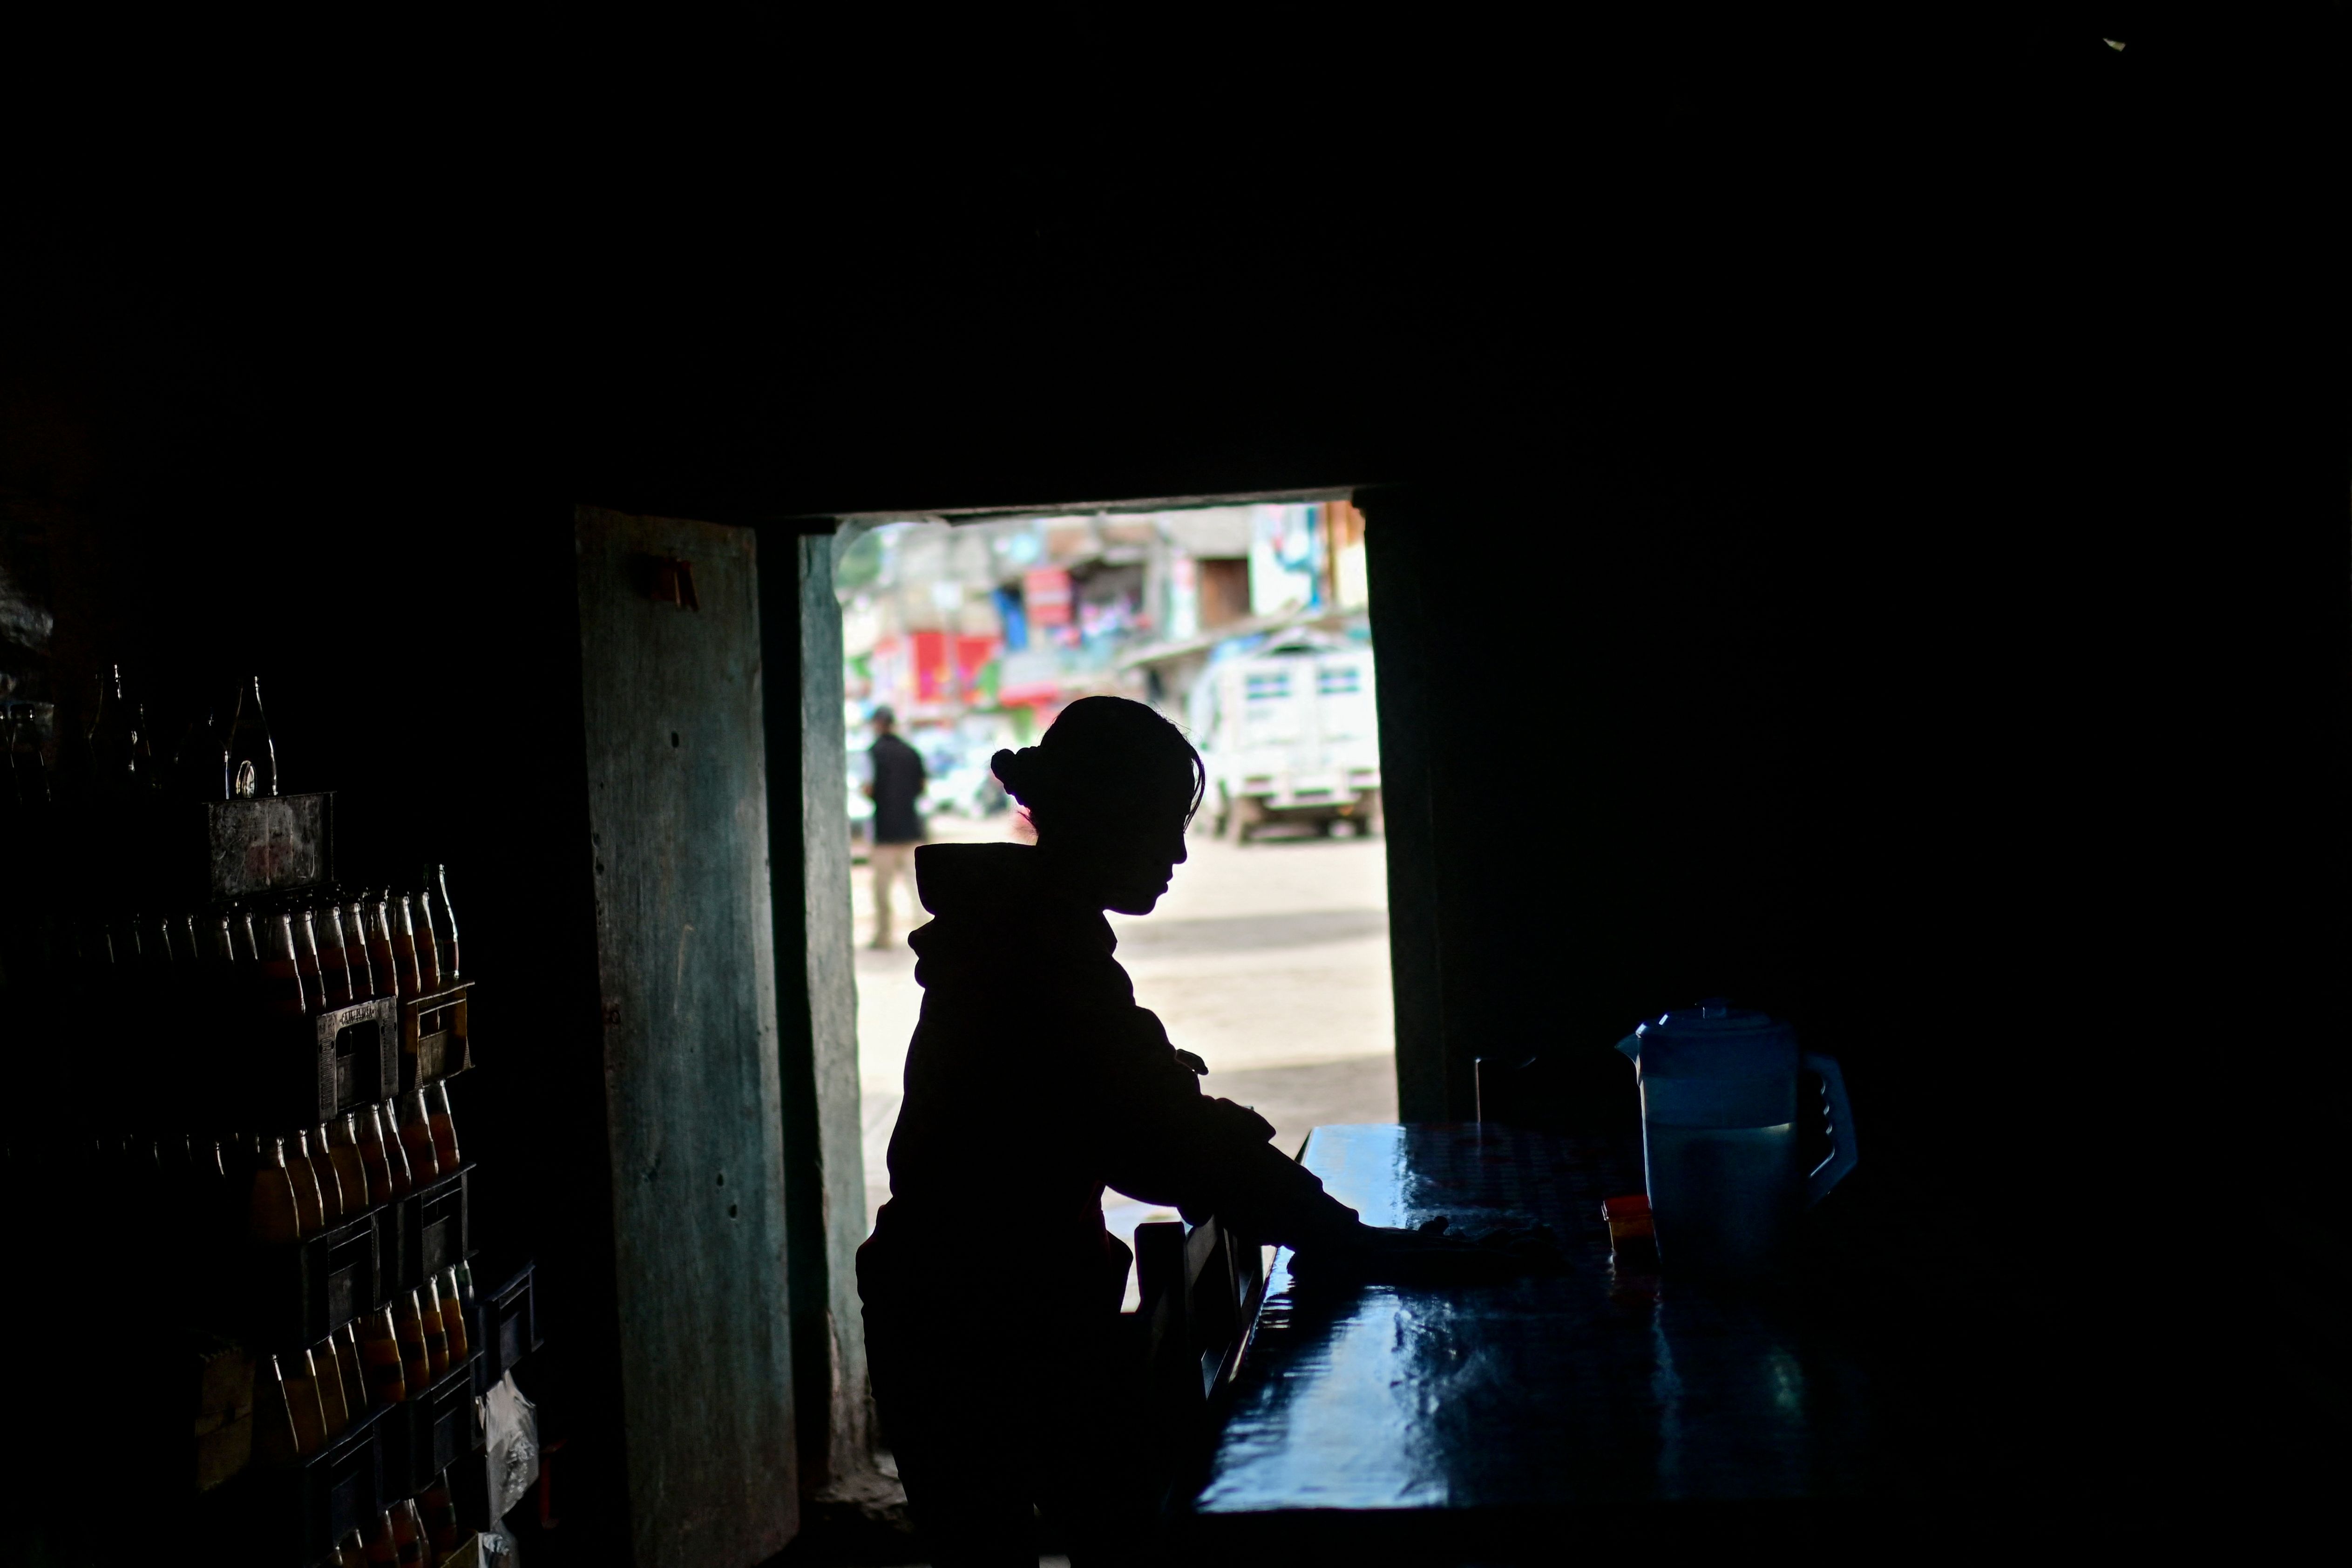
(1713, 1019)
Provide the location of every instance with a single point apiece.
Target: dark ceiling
(755, 261)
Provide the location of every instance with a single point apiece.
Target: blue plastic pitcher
(1720, 1135)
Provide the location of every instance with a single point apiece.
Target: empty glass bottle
(29, 765)
(252, 757)
(444, 922)
(306, 955)
(113, 741)
(143, 751)
(245, 936)
(285, 987)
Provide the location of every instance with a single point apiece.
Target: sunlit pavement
(1269, 961)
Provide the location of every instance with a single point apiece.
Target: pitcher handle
(1831, 1171)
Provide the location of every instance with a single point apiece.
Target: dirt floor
(1269, 961)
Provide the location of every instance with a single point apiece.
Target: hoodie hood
(998, 928)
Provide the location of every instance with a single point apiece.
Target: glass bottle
(355, 952)
(245, 941)
(346, 1343)
(440, 1510)
(381, 1358)
(309, 1208)
(113, 741)
(351, 1175)
(360, 1127)
(143, 751)
(380, 957)
(231, 1191)
(385, 1119)
(276, 1217)
(252, 758)
(428, 948)
(416, 1356)
(306, 955)
(443, 1124)
(328, 1377)
(437, 1338)
(383, 1550)
(213, 1204)
(456, 1323)
(301, 1383)
(444, 922)
(416, 1138)
(287, 991)
(274, 1435)
(28, 763)
(408, 1533)
(334, 971)
(337, 1202)
(403, 943)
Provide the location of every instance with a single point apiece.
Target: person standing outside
(897, 784)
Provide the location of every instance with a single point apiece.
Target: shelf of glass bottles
(296, 1292)
(294, 1510)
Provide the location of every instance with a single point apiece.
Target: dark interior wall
(1899, 415)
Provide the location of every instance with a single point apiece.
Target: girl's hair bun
(1104, 757)
(1017, 771)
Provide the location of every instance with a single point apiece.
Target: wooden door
(669, 644)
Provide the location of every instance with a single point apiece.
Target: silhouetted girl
(1033, 1081)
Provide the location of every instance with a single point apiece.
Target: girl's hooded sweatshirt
(1033, 1082)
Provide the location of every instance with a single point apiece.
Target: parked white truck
(1292, 735)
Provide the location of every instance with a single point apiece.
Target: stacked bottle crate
(256, 1067)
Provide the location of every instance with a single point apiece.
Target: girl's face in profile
(1124, 863)
(1138, 867)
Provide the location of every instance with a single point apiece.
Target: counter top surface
(1575, 1388)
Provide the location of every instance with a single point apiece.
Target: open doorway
(1248, 627)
